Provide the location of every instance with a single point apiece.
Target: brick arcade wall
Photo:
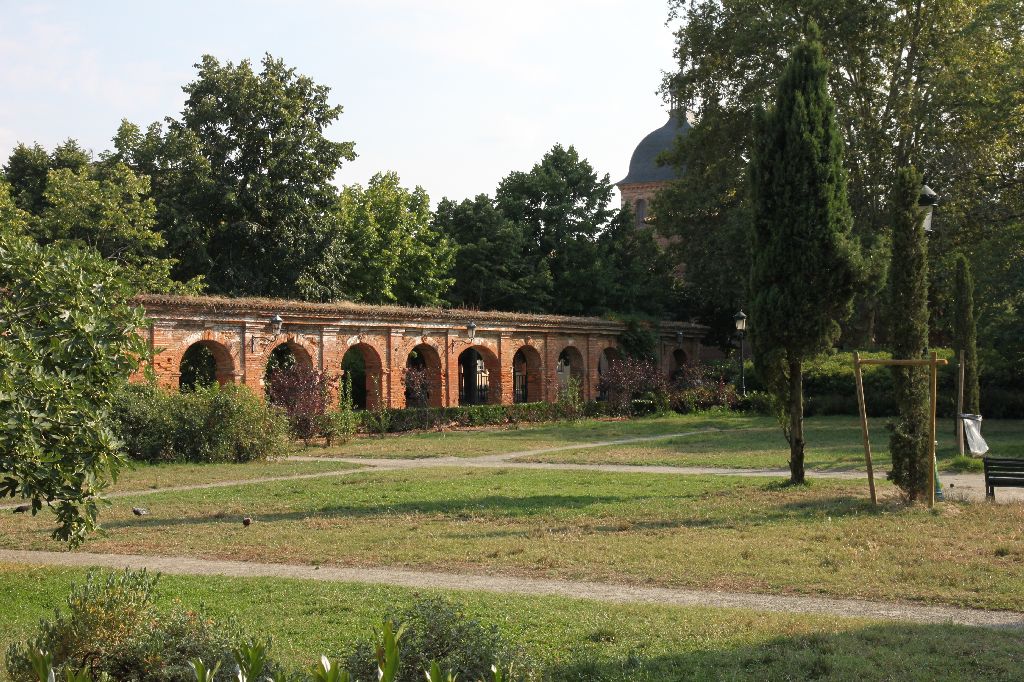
(241, 337)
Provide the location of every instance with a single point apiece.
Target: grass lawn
(574, 639)
(709, 531)
(833, 443)
(142, 476)
(493, 440)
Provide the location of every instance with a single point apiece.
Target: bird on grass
(246, 521)
(22, 508)
(139, 511)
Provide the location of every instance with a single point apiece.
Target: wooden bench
(1002, 472)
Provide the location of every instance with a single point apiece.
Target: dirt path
(605, 592)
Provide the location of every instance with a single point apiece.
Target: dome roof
(643, 166)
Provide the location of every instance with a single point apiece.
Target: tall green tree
(69, 342)
(805, 263)
(492, 270)
(67, 198)
(574, 233)
(385, 249)
(927, 82)
(965, 334)
(247, 170)
(910, 430)
(27, 169)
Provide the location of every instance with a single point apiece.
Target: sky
(451, 94)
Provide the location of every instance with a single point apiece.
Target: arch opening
(479, 377)
(423, 377)
(362, 366)
(570, 366)
(204, 363)
(678, 365)
(526, 376)
(285, 356)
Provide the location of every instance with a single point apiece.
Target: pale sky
(451, 94)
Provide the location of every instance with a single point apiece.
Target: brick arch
(492, 365)
(429, 357)
(373, 381)
(303, 351)
(223, 347)
(225, 364)
(527, 374)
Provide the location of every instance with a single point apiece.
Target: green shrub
(437, 629)
(341, 423)
(111, 626)
(569, 404)
(209, 424)
(757, 402)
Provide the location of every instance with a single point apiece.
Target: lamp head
(471, 328)
(740, 319)
(276, 323)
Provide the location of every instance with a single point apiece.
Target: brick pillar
(505, 355)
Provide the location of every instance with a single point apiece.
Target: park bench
(1001, 472)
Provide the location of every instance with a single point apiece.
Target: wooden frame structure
(933, 362)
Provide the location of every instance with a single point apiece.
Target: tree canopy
(244, 177)
(917, 81)
(551, 241)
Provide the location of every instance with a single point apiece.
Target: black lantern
(276, 323)
(927, 201)
(471, 328)
(741, 330)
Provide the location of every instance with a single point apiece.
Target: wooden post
(864, 425)
(960, 406)
(931, 460)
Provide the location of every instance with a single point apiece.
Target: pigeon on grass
(139, 511)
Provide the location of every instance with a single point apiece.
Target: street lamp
(741, 330)
(471, 328)
(927, 201)
(276, 323)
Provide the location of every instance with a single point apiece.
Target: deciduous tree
(68, 342)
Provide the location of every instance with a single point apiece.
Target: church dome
(643, 166)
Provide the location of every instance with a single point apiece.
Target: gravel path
(605, 592)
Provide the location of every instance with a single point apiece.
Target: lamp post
(471, 328)
(741, 330)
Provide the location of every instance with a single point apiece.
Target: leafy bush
(209, 424)
(303, 394)
(758, 402)
(435, 629)
(635, 385)
(569, 404)
(702, 387)
(112, 626)
(341, 423)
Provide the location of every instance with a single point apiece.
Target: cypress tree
(965, 333)
(909, 430)
(805, 264)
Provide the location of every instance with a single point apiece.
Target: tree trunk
(796, 422)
